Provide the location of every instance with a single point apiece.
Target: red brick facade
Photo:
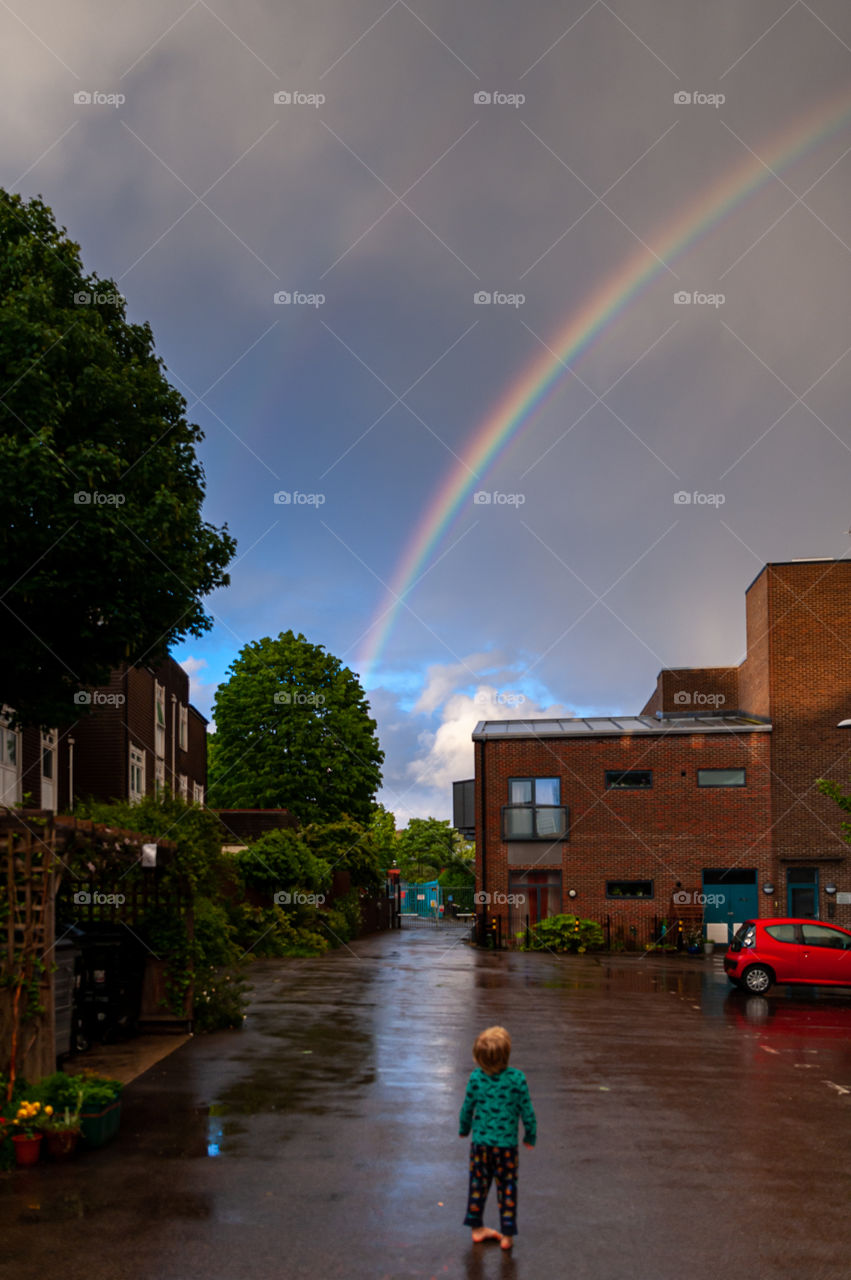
(795, 684)
(92, 753)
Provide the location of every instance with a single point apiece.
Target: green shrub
(220, 1000)
(565, 933)
(274, 931)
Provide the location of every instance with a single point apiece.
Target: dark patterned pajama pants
(489, 1164)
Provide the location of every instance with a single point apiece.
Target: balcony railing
(534, 822)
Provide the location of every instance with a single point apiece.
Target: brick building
(143, 735)
(704, 805)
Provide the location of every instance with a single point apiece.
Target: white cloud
(443, 752)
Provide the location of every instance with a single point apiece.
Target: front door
(802, 892)
(536, 894)
(730, 897)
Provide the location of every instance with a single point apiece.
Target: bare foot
(485, 1233)
(506, 1242)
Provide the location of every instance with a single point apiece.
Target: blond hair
(492, 1050)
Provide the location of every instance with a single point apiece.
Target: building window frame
(628, 786)
(183, 786)
(710, 785)
(159, 720)
(183, 727)
(159, 777)
(630, 897)
(548, 821)
(136, 766)
(198, 793)
(10, 763)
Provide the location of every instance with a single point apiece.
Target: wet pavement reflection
(321, 1141)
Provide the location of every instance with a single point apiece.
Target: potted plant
(27, 1135)
(62, 1129)
(100, 1114)
(694, 940)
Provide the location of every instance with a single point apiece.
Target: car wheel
(758, 979)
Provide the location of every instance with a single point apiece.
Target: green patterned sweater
(493, 1105)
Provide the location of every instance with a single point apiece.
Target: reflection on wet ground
(322, 1139)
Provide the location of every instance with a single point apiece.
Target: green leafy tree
(282, 861)
(427, 846)
(293, 731)
(382, 826)
(348, 846)
(104, 555)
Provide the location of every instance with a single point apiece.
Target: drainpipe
(173, 727)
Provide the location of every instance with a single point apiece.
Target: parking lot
(684, 1130)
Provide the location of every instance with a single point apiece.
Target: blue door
(802, 891)
(730, 896)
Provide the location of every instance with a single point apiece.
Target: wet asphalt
(685, 1131)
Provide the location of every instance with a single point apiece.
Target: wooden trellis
(38, 854)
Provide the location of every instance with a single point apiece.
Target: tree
(429, 845)
(104, 556)
(348, 846)
(293, 731)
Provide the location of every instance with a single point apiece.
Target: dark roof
(618, 726)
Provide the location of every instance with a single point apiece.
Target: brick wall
(703, 689)
(809, 609)
(667, 834)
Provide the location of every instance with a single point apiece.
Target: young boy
(497, 1097)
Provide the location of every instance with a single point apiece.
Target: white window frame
(10, 771)
(197, 793)
(183, 786)
(159, 776)
(136, 765)
(48, 750)
(159, 720)
(183, 727)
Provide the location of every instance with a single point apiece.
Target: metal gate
(435, 906)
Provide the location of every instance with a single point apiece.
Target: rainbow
(541, 378)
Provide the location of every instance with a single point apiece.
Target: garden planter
(98, 1127)
(61, 1146)
(27, 1150)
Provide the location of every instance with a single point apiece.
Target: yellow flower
(48, 1111)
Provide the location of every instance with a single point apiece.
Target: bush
(271, 931)
(565, 933)
(281, 861)
(220, 1000)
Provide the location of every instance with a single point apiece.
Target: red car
(808, 952)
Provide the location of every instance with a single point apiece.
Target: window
(629, 779)
(10, 773)
(720, 777)
(137, 774)
(821, 935)
(629, 888)
(48, 751)
(183, 728)
(782, 932)
(159, 777)
(183, 786)
(534, 810)
(197, 793)
(159, 718)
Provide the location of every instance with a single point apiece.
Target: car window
(782, 932)
(821, 935)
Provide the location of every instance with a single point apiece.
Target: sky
(518, 332)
